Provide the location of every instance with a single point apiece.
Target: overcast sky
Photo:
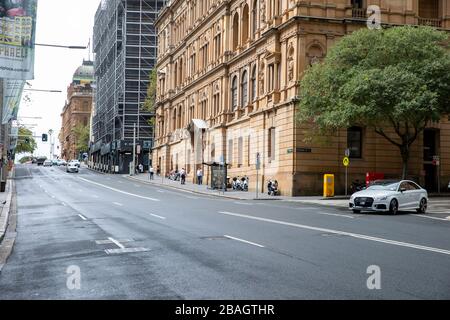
(62, 22)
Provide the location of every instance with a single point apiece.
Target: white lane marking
(118, 204)
(160, 191)
(120, 191)
(435, 218)
(344, 233)
(333, 214)
(245, 241)
(109, 241)
(82, 217)
(156, 216)
(126, 250)
(117, 243)
(53, 197)
(244, 203)
(64, 204)
(190, 197)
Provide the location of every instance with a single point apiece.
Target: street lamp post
(50, 133)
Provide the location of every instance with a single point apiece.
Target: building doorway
(431, 138)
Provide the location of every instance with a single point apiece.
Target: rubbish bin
(328, 185)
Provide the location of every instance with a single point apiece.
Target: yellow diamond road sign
(346, 161)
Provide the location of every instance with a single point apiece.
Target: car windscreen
(389, 186)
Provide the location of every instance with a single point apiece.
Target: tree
(397, 78)
(150, 100)
(81, 133)
(25, 142)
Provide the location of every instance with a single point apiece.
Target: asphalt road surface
(95, 236)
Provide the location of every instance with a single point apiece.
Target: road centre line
(82, 217)
(344, 233)
(118, 204)
(117, 243)
(156, 216)
(120, 191)
(245, 241)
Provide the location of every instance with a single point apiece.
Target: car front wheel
(393, 207)
(422, 206)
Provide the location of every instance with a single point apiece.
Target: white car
(72, 167)
(390, 196)
(76, 162)
(47, 163)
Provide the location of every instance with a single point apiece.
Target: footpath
(8, 220)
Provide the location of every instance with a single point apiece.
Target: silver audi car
(390, 196)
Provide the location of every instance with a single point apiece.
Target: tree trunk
(404, 151)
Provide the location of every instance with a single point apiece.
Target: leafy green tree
(81, 133)
(397, 78)
(25, 142)
(149, 103)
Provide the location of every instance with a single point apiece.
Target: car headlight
(382, 198)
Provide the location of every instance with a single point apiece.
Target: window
(255, 16)
(234, 98)
(244, 89)
(213, 152)
(240, 151)
(354, 142)
(248, 150)
(271, 144)
(271, 77)
(230, 152)
(235, 31)
(217, 46)
(245, 20)
(253, 84)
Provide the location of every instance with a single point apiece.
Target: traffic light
(44, 137)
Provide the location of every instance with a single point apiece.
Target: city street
(132, 240)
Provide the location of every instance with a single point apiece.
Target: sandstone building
(228, 75)
(77, 110)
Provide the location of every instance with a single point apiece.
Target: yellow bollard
(328, 185)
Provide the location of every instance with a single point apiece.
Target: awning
(198, 124)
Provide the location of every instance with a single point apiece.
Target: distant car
(40, 161)
(390, 196)
(62, 162)
(47, 163)
(55, 162)
(71, 167)
(76, 162)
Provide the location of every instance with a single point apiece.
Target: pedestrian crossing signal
(44, 137)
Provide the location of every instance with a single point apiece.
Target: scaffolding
(125, 48)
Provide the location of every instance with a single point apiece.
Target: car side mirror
(402, 189)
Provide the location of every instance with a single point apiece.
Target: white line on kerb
(245, 241)
(118, 204)
(156, 216)
(82, 217)
(344, 233)
(117, 243)
(120, 191)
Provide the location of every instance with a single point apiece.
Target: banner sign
(12, 95)
(17, 34)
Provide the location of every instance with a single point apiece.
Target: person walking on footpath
(141, 168)
(199, 176)
(151, 172)
(183, 176)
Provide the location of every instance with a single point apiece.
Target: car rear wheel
(356, 211)
(393, 207)
(422, 206)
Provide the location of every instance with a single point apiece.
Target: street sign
(436, 160)
(258, 161)
(347, 153)
(346, 161)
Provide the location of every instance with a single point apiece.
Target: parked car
(72, 167)
(47, 163)
(55, 162)
(62, 162)
(390, 196)
(40, 160)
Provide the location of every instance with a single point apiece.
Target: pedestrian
(141, 168)
(199, 176)
(158, 170)
(152, 172)
(183, 176)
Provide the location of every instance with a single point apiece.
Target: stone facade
(77, 110)
(237, 65)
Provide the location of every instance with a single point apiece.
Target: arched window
(255, 16)
(245, 23)
(235, 31)
(234, 93)
(244, 89)
(253, 84)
